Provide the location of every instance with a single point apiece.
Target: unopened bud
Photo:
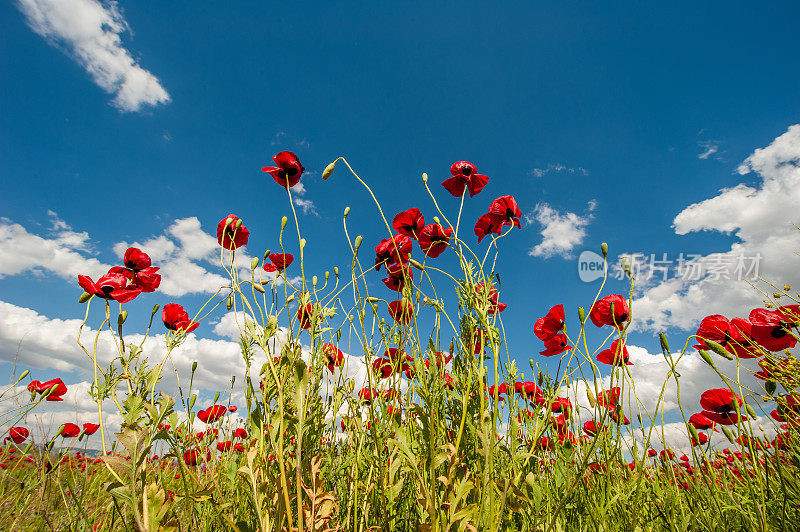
(123, 315)
(155, 309)
(192, 400)
(770, 386)
(216, 397)
(233, 380)
(728, 434)
(787, 287)
(238, 224)
(266, 255)
(284, 221)
(253, 263)
(336, 271)
(371, 299)
(718, 349)
(314, 281)
(229, 304)
(604, 249)
(750, 410)
(705, 356)
(582, 315)
(415, 264)
(24, 374)
(328, 170)
(86, 296)
(302, 243)
(693, 432)
(259, 288)
(327, 274)
(590, 396)
(436, 220)
(194, 366)
(424, 177)
(357, 243)
(346, 211)
(664, 345)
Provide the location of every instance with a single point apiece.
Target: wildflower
(501, 389)
(716, 328)
(718, 406)
(561, 405)
(701, 422)
(366, 395)
(592, 427)
(233, 408)
(601, 313)
(409, 223)
(555, 345)
(383, 367)
(391, 250)
(333, 356)
(433, 239)
(464, 175)
(288, 171)
(224, 446)
(505, 208)
(609, 398)
(305, 315)
(702, 439)
(771, 329)
(281, 261)
(652, 453)
(229, 235)
(742, 344)
(529, 390)
(17, 435)
(192, 456)
(398, 273)
(56, 386)
(401, 311)
(238, 447)
(494, 305)
(616, 355)
(175, 318)
(69, 430)
(90, 428)
(488, 224)
(136, 260)
(550, 324)
(113, 285)
(211, 414)
(240, 433)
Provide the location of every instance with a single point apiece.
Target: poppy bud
(693, 432)
(229, 304)
(194, 366)
(664, 345)
(314, 281)
(436, 220)
(718, 349)
(192, 400)
(357, 243)
(28, 447)
(582, 315)
(424, 177)
(216, 398)
(259, 288)
(750, 410)
(238, 224)
(290, 298)
(24, 374)
(155, 309)
(266, 255)
(284, 221)
(328, 170)
(415, 264)
(770, 386)
(302, 243)
(604, 249)
(253, 263)
(86, 296)
(327, 274)
(346, 211)
(590, 396)
(705, 356)
(728, 434)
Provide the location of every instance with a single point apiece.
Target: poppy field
(443, 430)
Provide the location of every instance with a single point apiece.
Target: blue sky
(607, 123)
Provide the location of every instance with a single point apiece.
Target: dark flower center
(466, 170)
(291, 171)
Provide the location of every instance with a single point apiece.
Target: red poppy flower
(334, 358)
(113, 285)
(136, 260)
(771, 330)
(147, 280)
(391, 250)
(57, 387)
(233, 408)
(383, 367)
(718, 406)
(398, 273)
(742, 344)
(614, 415)
(212, 414)
(551, 324)
(555, 345)
(229, 236)
(702, 439)
(716, 328)
(667, 454)
(505, 208)
(609, 398)
(449, 382)
(488, 224)
(561, 405)
(701, 422)
(288, 171)
(409, 223)
(193, 456)
(240, 433)
(501, 389)
(439, 358)
(90, 428)
(305, 315)
(529, 390)
(366, 395)
(433, 239)
(592, 427)
(616, 355)
(69, 430)
(652, 453)
(601, 311)
(544, 444)
(464, 175)
(175, 318)
(401, 311)
(479, 340)
(281, 261)
(17, 435)
(224, 446)
(494, 305)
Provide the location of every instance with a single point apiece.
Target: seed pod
(229, 304)
(718, 349)
(328, 170)
(728, 434)
(604, 249)
(346, 211)
(770, 386)
(86, 296)
(123, 315)
(253, 263)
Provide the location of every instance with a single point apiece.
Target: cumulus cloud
(306, 205)
(561, 232)
(761, 219)
(90, 32)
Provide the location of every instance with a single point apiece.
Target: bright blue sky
(628, 97)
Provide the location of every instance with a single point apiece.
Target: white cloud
(559, 169)
(710, 147)
(760, 217)
(306, 205)
(90, 32)
(560, 232)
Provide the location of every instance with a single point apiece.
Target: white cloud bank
(90, 32)
(561, 232)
